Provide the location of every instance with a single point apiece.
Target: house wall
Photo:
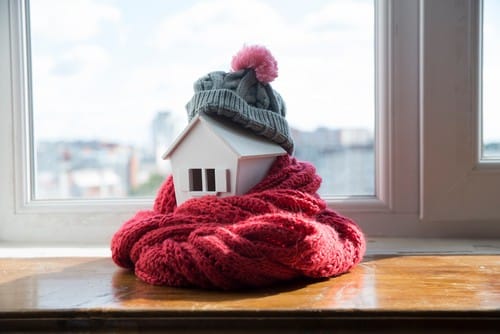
(251, 171)
(201, 149)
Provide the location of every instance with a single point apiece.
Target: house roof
(243, 143)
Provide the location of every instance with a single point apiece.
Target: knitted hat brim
(226, 103)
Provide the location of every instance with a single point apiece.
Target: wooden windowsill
(404, 285)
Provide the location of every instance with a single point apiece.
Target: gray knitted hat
(245, 96)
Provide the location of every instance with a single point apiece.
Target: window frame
(399, 207)
(457, 185)
(196, 183)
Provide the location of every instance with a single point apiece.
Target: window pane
(210, 176)
(195, 180)
(491, 79)
(111, 78)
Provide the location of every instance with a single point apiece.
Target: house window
(195, 179)
(210, 179)
(207, 180)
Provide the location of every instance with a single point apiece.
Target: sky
(491, 70)
(103, 69)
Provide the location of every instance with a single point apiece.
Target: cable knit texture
(278, 231)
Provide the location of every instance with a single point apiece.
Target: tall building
(163, 130)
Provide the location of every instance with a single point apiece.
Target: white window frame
(408, 163)
(456, 185)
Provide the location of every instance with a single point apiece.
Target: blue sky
(102, 69)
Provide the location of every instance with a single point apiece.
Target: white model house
(216, 157)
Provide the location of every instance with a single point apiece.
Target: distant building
(355, 137)
(88, 169)
(164, 133)
(72, 169)
(95, 182)
(344, 158)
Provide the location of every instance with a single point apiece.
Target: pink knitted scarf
(279, 230)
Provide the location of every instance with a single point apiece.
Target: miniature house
(216, 157)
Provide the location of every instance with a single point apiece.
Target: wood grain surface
(393, 291)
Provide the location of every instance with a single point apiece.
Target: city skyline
(345, 159)
(93, 168)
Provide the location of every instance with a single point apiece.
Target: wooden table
(385, 294)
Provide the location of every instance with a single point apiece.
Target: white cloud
(324, 78)
(323, 69)
(86, 59)
(340, 14)
(222, 25)
(74, 20)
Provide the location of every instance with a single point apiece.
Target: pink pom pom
(260, 59)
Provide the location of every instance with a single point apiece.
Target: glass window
(110, 80)
(210, 177)
(491, 80)
(195, 180)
